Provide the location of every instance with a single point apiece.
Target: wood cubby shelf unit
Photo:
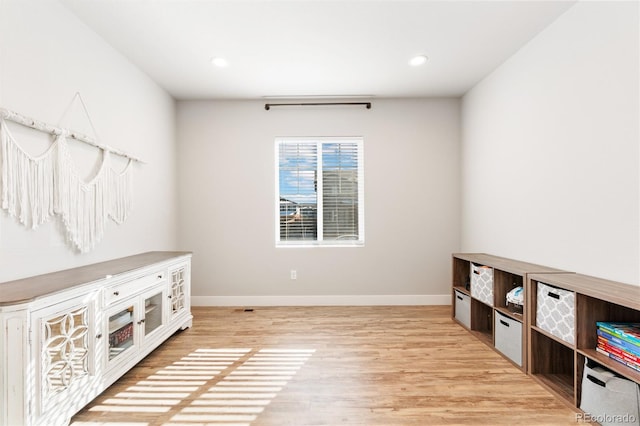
(507, 274)
(559, 364)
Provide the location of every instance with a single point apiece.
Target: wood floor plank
(313, 366)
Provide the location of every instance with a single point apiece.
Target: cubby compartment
(482, 321)
(461, 275)
(592, 310)
(606, 396)
(504, 282)
(553, 364)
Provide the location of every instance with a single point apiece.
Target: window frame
(320, 241)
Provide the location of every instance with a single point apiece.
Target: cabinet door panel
(65, 349)
(154, 317)
(121, 331)
(179, 289)
(13, 334)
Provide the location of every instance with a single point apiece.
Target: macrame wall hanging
(35, 189)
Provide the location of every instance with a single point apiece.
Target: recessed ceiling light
(219, 62)
(418, 60)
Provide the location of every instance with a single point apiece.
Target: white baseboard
(328, 300)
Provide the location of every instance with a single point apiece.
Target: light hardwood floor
(301, 366)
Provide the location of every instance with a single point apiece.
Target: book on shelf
(612, 348)
(615, 357)
(628, 331)
(121, 335)
(616, 341)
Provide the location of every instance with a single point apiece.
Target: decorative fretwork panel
(178, 291)
(65, 350)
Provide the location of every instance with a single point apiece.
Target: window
(320, 187)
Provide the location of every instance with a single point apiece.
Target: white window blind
(320, 187)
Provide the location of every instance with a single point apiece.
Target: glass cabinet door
(134, 322)
(153, 317)
(121, 331)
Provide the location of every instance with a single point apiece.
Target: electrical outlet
(294, 274)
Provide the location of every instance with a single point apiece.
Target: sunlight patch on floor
(169, 386)
(247, 381)
(246, 391)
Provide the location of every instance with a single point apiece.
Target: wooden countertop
(28, 289)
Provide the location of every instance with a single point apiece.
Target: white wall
(46, 56)
(227, 203)
(550, 154)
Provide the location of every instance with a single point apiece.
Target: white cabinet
(68, 335)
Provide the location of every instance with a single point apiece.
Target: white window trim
(359, 141)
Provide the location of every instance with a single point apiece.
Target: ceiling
(315, 49)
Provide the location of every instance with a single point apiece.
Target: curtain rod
(48, 128)
(366, 104)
